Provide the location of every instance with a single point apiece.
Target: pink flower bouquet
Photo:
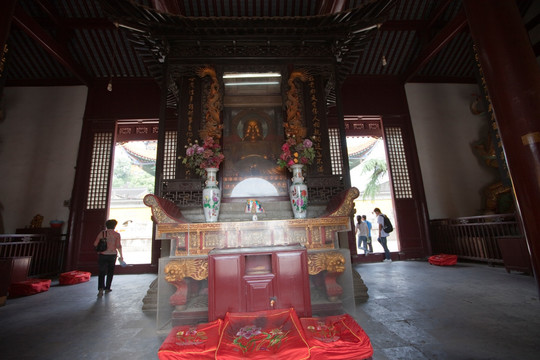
(198, 157)
(293, 152)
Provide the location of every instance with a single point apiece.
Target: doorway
(134, 171)
(369, 173)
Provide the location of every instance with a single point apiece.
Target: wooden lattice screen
(398, 163)
(169, 157)
(99, 171)
(335, 151)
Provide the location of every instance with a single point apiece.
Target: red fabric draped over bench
(272, 334)
(261, 335)
(191, 342)
(336, 338)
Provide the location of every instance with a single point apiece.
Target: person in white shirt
(382, 234)
(369, 244)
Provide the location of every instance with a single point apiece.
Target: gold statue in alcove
(254, 153)
(251, 148)
(252, 131)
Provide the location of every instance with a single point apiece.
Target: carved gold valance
(197, 268)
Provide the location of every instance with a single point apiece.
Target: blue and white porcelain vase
(211, 196)
(298, 193)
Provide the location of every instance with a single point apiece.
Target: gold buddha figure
(253, 154)
(251, 151)
(252, 131)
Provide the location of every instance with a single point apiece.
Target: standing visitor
(369, 244)
(107, 258)
(382, 234)
(362, 234)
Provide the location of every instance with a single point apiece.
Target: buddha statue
(252, 131)
(251, 151)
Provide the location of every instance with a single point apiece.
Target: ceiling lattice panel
(75, 42)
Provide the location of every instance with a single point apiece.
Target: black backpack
(387, 227)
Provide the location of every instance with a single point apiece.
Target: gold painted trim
(347, 207)
(314, 233)
(255, 225)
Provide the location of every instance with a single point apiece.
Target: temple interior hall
(365, 166)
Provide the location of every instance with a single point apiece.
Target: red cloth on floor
(191, 342)
(29, 287)
(274, 334)
(443, 260)
(336, 338)
(74, 277)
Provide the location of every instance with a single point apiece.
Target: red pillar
(513, 81)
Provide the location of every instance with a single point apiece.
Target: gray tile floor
(468, 311)
(415, 311)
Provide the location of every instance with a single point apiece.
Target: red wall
(374, 96)
(129, 99)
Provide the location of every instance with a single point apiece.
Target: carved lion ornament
(193, 268)
(331, 261)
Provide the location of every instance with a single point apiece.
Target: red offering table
(258, 279)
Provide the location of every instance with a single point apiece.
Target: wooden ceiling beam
(167, 6)
(70, 24)
(416, 25)
(46, 6)
(331, 6)
(36, 32)
(89, 24)
(338, 6)
(64, 33)
(403, 25)
(438, 13)
(324, 7)
(454, 27)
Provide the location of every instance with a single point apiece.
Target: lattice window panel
(335, 151)
(99, 171)
(398, 163)
(170, 155)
